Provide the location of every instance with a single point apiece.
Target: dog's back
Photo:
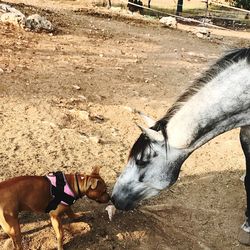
(29, 193)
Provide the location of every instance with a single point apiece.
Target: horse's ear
(152, 134)
(96, 170)
(148, 120)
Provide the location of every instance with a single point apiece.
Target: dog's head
(94, 186)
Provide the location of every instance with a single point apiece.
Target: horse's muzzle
(122, 204)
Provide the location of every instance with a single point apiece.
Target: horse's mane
(139, 146)
(224, 62)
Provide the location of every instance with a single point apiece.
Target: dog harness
(60, 190)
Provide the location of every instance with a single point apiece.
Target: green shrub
(245, 4)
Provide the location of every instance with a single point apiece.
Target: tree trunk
(179, 7)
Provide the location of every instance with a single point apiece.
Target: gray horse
(217, 102)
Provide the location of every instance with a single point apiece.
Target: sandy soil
(67, 104)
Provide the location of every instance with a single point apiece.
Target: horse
(216, 102)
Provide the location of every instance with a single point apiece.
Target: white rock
(202, 30)
(76, 87)
(38, 23)
(200, 35)
(5, 8)
(111, 211)
(242, 178)
(128, 109)
(83, 114)
(169, 21)
(82, 97)
(17, 19)
(94, 139)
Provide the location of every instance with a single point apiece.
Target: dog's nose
(104, 198)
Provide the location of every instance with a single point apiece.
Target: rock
(244, 237)
(94, 139)
(120, 236)
(202, 32)
(199, 35)
(17, 19)
(83, 114)
(242, 178)
(129, 109)
(76, 87)
(11, 15)
(1, 70)
(38, 23)
(82, 97)
(169, 21)
(111, 211)
(97, 118)
(5, 8)
(34, 22)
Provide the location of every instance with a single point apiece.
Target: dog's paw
(76, 216)
(77, 228)
(8, 245)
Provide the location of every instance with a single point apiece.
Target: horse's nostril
(113, 200)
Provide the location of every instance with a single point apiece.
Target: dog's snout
(104, 198)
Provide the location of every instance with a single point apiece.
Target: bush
(245, 4)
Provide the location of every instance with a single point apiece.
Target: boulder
(38, 23)
(5, 8)
(202, 32)
(17, 19)
(169, 21)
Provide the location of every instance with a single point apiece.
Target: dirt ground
(67, 103)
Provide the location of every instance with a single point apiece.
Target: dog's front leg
(57, 225)
(71, 214)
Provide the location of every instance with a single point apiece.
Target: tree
(179, 7)
(245, 4)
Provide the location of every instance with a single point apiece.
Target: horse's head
(152, 166)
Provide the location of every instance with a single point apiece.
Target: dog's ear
(96, 170)
(94, 182)
(91, 183)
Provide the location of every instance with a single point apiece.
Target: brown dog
(33, 193)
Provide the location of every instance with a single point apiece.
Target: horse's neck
(220, 105)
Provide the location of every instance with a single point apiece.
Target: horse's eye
(141, 163)
(155, 154)
(141, 177)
